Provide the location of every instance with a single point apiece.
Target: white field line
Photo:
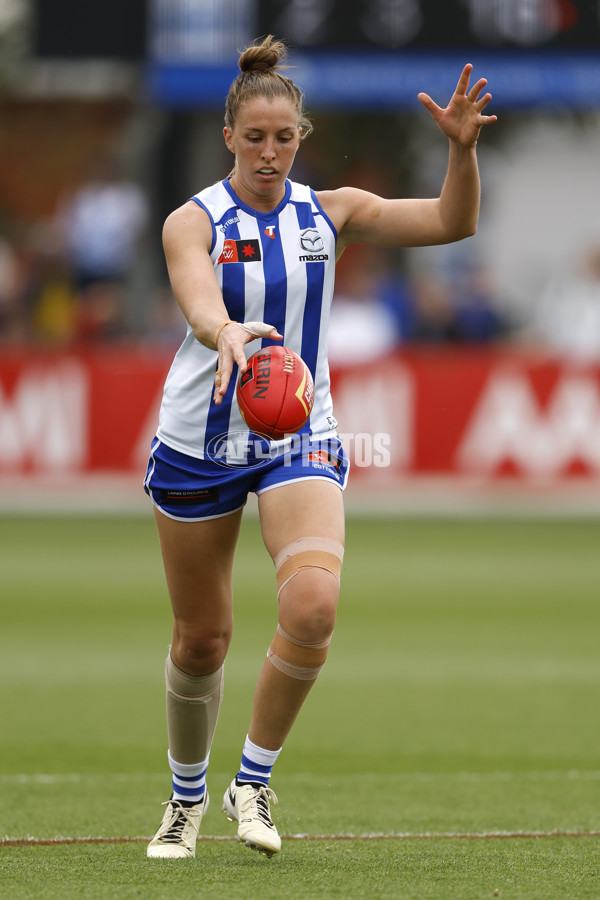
(73, 778)
(331, 838)
(42, 778)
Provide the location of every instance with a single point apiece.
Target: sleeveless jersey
(275, 267)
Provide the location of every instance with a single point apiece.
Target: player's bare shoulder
(338, 204)
(187, 225)
(342, 206)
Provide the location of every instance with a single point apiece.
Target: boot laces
(181, 817)
(258, 804)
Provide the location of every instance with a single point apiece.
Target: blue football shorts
(190, 489)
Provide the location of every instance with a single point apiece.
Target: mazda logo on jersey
(240, 251)
(311, 240)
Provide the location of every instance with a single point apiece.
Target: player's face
(265, 139)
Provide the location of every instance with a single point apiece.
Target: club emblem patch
(240, 251)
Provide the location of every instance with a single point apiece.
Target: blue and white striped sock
(189, 781)
(256, 764)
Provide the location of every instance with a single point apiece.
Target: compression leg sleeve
(193, 704)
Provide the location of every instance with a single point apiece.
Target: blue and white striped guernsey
(276, 267)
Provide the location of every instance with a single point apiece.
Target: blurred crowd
(69, 279)
(66, 280)
(379, 306)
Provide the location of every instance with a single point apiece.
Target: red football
(276, 392)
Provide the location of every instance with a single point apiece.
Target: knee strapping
(297, 659)
(305, 553)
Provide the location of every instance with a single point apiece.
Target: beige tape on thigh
(297, 659)
(317, 552)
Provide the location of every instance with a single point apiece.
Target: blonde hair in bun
(260, 76)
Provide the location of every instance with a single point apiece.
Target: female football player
(252, 258)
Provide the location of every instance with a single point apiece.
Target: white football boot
(176, 836)
(249, 806)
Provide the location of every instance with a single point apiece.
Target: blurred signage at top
(394, 24)
(215, 30)
(347, 53)
(197, 30)
(200, 31)
(381, 53)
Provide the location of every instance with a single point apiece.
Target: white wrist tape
(258, 329)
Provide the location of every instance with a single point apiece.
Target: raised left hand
(462, 120)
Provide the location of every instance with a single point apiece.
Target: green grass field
(457, 716)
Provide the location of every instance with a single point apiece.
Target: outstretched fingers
(428, 103)
(480, 101)
(462, 119)
(483, 102)
(477, 88)
(463, 82)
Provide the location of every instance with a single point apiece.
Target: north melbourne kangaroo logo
(312, 242)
